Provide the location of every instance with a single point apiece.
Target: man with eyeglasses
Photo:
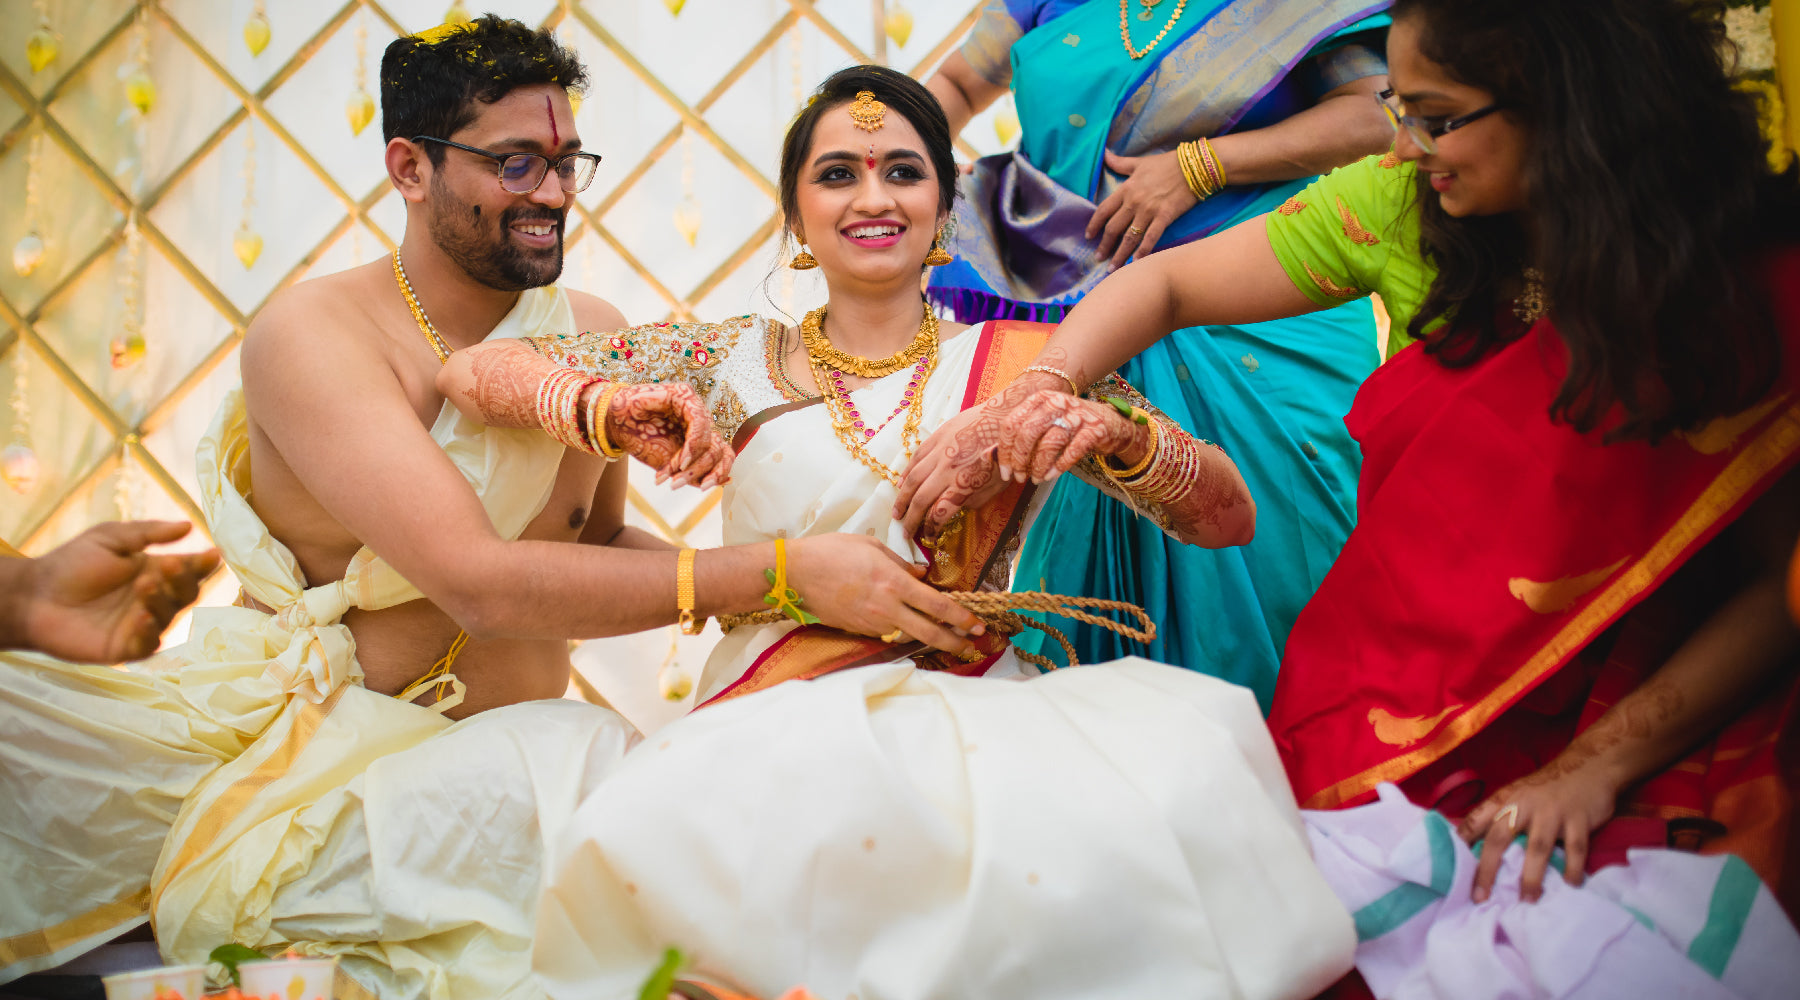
(292, 776)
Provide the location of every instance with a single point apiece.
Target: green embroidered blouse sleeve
(1355, 231)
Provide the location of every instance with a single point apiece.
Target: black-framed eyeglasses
(521, 173)
(1423, 130)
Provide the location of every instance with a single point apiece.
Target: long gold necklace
(1125, 26)
(812, 331)
(847, 421)
(432, 337)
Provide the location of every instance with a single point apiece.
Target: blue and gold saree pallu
(1272, 394)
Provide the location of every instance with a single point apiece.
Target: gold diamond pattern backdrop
(175, 180)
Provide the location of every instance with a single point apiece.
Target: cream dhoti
(890, 833)
(245, 787)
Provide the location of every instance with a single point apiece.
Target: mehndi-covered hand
(1047, 434)
(666, 426)
(955, 467)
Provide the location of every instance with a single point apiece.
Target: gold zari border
(101, 919)
(232, 801)
(1760, 457)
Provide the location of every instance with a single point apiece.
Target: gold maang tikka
(867, 112)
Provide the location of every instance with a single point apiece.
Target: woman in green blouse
(1563, 597)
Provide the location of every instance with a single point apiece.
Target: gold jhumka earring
(803, 261)
(938, 256)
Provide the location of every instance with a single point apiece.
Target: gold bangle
(1199, 181)
(1058, 372)
(684, 593)
(1143, 463)
(1215, 171)
(597, 422)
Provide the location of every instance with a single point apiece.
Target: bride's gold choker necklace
(812, 331)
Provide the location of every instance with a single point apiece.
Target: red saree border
(1771, 453)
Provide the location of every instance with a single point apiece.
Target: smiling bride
(917, 827)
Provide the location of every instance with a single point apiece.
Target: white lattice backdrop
(141, 214)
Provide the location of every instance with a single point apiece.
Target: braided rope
(1000, 609)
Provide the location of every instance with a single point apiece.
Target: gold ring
(1510, 814)
(893, 637)
(1135, 230)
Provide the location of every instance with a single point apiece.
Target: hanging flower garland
(28, 253)
(18, 463)
(360, 108)
(256, 30)
(42, 47)
(247, 244)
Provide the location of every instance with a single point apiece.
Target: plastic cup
(287, 979)
(165, 982)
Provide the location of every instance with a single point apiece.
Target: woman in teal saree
(1104, 94)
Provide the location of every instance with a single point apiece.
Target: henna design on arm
(506, 377)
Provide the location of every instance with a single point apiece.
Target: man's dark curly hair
(430, 82)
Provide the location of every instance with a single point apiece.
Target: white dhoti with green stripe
(1669, 924)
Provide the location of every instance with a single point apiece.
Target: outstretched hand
(100, 598)
(1565, 800)
(666, 426)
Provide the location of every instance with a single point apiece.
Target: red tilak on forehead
(870, 159)
(550, 112)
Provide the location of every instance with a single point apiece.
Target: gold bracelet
(684, 593)
(597, 411)
(1143, 463)
(1058, 372)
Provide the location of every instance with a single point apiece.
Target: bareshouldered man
(366, 754)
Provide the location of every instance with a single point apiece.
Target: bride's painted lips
(875, 233)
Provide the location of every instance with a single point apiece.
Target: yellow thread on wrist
(782, 597)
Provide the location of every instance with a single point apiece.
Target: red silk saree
(1505, 584)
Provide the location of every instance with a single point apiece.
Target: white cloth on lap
(1669, 924)
(1116, 830)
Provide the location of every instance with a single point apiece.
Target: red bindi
(870, 159)
(550, 113)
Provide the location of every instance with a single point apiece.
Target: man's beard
(494, 262)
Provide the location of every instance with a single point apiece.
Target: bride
(909, 829)
(822, 418)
